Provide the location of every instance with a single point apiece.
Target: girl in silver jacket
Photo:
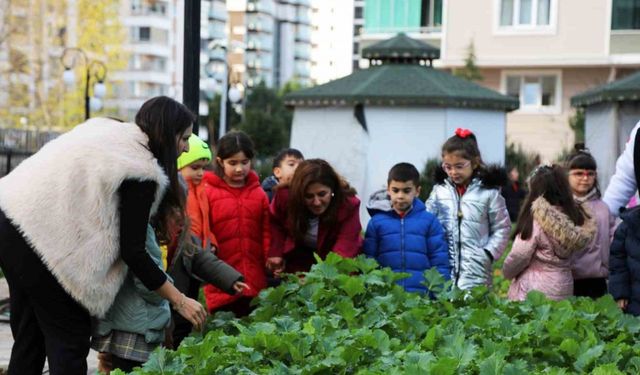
(467, 201)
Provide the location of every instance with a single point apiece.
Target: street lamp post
(93, 68)
(227, 92)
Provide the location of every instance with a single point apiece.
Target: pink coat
(593, 261)
(543, 261)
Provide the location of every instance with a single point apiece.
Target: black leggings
(594, 288)
(124, 364)
(45, 320)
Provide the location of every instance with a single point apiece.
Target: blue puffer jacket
(412, 244)
(624, 261)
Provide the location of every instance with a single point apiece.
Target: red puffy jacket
(240, 222)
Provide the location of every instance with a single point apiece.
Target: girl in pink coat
(550, 229)
(591, 264)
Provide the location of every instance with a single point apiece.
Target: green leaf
(492, 365)
(585, 359)
(608, 369)
(443, 366)
(352, 286)
(571, 347)
(429, 341)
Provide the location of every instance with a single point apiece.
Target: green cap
(198, 149)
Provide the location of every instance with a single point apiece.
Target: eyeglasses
(457, 167)
(583, 174)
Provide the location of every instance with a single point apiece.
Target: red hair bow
(463, 133)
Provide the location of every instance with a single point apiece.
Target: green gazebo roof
(624, 89)
(402, 84)
(401, 46)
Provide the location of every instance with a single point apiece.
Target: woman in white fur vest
(67, 239)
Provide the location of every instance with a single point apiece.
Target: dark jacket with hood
(268, 184)
(624, 262)
(412, 243)
(477, 223)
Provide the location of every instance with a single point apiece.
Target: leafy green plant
(348, 316)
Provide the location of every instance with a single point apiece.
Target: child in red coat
(239, 220)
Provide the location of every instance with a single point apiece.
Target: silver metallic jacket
(477, 227)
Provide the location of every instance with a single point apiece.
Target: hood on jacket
(631, 217)
(380, 201)
(559, 227)
(492, 176)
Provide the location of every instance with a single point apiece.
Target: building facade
(154, 47)
(276, 35)
(540, 51)
(331, 39)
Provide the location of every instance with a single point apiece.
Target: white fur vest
(64, 200)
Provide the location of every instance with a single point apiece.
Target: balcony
(259, 43)
(302, 51)
(258, 61)
(624, 42)
(301, 69)
(261, 7)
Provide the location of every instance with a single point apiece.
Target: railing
(10, 158)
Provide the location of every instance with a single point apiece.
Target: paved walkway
(6, 341)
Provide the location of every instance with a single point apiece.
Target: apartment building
(31, 44)
(276, 35)
(154, 47)
(331, 39)
(540, 51)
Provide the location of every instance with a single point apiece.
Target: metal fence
(10, 158)
(18, 144)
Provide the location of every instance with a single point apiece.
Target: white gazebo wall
(399, 134)
(333, 134)
(603, 140)
(489, 127)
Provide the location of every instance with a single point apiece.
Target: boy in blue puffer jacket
(402, 235)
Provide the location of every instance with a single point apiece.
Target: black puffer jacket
(624, 262)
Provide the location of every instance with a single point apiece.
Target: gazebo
(611, 111)
(400, 109)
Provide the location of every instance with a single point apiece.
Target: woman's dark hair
(551, 183)
(230, 144)
(581, 158)
(163, 120)
(307, 173)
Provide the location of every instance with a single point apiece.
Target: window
(625, 15)
(525, 13)
(431, 13)
(145, 34)
(536, 92)
(140, 34)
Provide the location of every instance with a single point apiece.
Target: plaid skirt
(131, 346)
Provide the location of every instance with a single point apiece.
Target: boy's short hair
(284, 153)
(403, 172)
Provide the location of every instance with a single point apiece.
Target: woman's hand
(191, 310)
(275, 265)
(239, 286)
(622, 303)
